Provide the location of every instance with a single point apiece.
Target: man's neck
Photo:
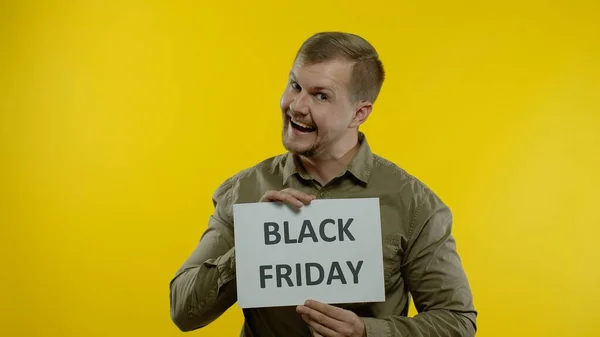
(326, 169)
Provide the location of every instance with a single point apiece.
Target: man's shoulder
(268, 167)
(272, 166)
(405, 190)
(391, 175)
(394, 171)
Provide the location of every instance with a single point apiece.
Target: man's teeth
(302, 125)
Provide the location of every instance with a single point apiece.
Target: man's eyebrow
(317, 88)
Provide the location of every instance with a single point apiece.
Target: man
(333, 84)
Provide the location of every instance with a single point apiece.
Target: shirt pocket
(392, 254)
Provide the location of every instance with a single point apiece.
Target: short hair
(367, 75)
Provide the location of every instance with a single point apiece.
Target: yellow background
(120, 118)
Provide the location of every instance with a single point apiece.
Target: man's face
(318, 113)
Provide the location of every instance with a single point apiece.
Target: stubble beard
(308, 153)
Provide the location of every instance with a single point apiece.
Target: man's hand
(289, 196)
(328, 321)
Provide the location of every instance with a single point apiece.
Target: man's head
(334, 82)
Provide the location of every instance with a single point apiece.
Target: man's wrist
(364, 333)
(376, 327)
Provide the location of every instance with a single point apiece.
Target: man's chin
(304, 151)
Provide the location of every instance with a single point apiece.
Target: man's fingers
(304, 197)
(271, 196)
(321, 319)
(280, 196)
(291, 197)
(313, 332)
(318, 329)
(329, 310)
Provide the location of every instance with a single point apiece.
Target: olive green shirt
(419, 254)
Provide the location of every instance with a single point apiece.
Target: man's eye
(295, 85)
(322, 97)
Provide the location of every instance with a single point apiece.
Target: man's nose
(300, 104)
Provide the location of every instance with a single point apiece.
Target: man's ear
(363, 110)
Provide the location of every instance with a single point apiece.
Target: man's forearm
(201, 293)
(434, 323)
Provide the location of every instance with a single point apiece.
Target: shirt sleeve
(434, 275)
(204, 287)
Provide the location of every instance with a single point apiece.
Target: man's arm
(204, 287)
(435, 277)
(433, 273)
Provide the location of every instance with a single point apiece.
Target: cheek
(323, 123)
(328, 121)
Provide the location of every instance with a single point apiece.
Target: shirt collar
(360, 166)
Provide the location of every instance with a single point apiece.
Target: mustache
(299, 118)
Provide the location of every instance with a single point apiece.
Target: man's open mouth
(302, 127)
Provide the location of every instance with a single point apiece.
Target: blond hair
(367, 71)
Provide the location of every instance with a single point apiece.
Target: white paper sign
(329, 251)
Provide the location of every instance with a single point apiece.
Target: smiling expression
(319, 116)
